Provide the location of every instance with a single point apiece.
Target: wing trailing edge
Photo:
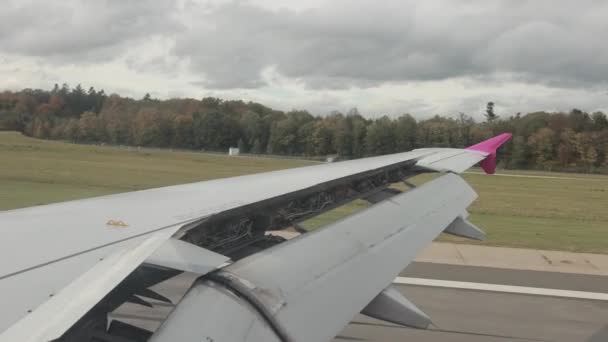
(184, 256)
(52, 318)
(288, 289)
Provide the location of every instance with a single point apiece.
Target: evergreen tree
(257, 147)
(490, 115)
(519, 155)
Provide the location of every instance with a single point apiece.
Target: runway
(535, 176)
(461, 315)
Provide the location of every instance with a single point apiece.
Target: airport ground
(543, 210)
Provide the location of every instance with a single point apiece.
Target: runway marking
(533, 176)
(536, 291)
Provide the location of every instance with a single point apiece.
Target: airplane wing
(65, 266)
(309, 288)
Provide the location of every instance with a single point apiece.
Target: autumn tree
(71, 130)
(88, 127)
(542, 146)
(405, 133)
(359, 133)
(341, 134)
(579, 120)
(257, 147)
(600, 122)
(519, 154)
(322, 138)
(586, 149)
(214, 131)
(251, 128)
(380, 137)
(567, 151)
(285, 136)
(183, 133)
(463, 134)
(573, 140)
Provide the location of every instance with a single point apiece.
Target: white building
(233, 151)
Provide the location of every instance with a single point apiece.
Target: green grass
(34, 172)
(569, 213)
(548, 213)
(561, 212)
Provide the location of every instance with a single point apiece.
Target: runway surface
(535, 176)
(461, 315)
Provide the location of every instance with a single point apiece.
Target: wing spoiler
(309, 288)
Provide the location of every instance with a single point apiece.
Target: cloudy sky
(384, 57)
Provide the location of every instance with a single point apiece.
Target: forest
(571, 141)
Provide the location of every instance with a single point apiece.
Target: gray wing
(98, 253)
(310, 287)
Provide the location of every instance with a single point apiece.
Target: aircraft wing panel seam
(92, 249)
(54, 316)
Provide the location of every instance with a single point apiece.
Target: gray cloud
(339, 44)
(361, 43)
(74, 29)
(434, 56)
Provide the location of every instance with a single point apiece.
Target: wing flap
(297, 287)
(96, 273)
(184, 256)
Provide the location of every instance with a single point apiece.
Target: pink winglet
(490, 146)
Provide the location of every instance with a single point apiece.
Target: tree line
(572, 141)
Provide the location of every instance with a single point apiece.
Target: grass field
(523, 209)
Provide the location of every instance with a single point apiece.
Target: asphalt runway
(459, 315)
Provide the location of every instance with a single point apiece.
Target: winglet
(490, 146)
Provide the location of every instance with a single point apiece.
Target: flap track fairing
(391, 306)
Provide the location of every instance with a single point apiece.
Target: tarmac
(515, 258)
(461, 314)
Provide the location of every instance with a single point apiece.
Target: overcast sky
(384, 57)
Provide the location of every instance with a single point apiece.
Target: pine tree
(490, 115)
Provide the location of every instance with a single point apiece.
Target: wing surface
(94, 274)
(48, 250)
(295, 292)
